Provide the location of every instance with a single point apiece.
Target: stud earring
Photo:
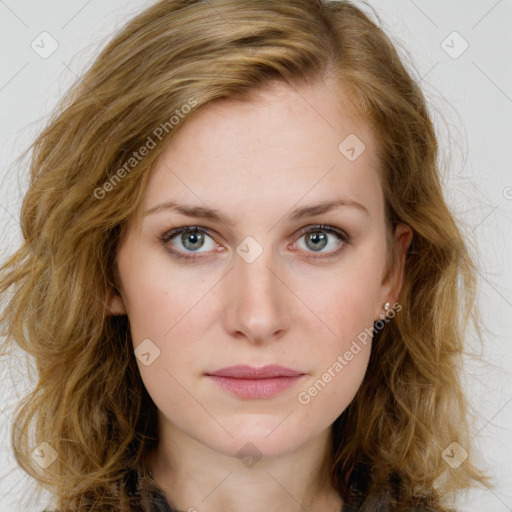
(386, 307)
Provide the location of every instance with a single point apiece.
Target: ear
(392, 283)
(115, 303)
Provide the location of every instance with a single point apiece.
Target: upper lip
(250, 372)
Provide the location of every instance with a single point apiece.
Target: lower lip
(255, 388)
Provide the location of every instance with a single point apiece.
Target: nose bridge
(257, 299)
(254, 272)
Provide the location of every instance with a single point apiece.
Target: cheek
(347, 302)
(158, 297)
(342, 359)
(168, 313)
(169, 320)
(329, 393)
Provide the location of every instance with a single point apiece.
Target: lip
(249, 382)
(250, 372)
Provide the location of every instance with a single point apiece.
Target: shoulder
(364, 495)
(377, 504)
(385, 501)
(148, 497)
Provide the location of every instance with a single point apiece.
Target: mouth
(250, 382)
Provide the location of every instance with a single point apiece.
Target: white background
(470, 98)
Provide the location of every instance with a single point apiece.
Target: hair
(89, 402)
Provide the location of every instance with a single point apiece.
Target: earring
(386, 307)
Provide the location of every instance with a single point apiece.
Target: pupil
(196, 240)
(318, 237)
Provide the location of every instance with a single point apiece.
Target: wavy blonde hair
(89, 402)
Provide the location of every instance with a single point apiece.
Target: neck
(193, 476)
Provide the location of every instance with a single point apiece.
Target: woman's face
(265, 285)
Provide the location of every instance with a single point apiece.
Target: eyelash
(169, 235)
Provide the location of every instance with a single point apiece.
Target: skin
(255, 161)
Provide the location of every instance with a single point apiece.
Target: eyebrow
(215, 216)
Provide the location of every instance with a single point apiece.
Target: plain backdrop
(458, 50)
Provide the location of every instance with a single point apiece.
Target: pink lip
(249, 382)
(250, 372)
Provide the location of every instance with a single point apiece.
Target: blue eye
(316, 238)
(192, 238)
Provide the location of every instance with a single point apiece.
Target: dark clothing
(152, 499)
(357, 501)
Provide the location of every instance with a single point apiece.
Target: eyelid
(320, 227)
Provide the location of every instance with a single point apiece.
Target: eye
(316, 239)
(190, 238)
(183, 242)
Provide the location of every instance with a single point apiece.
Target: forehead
(281, 145)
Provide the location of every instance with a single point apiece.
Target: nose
(257, 302)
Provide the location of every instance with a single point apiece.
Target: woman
(193, 351)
